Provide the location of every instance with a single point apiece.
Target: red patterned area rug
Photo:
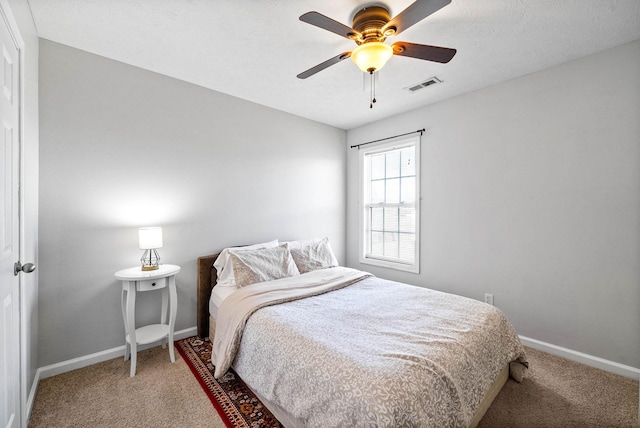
(236, 404)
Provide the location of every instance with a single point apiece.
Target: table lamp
(150, 238)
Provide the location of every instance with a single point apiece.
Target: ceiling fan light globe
(371, 56)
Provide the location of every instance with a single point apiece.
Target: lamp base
(150, 259)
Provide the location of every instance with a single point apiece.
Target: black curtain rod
(421, 131)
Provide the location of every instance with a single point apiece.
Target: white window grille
(390, 204)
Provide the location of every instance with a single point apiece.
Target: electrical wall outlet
(488, 298)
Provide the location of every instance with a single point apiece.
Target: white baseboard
(580, 357)
(87, 360)
(98, 357)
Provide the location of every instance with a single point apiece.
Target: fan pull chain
(375, 79)
(373, 88)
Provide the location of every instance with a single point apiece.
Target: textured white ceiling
(254, 49)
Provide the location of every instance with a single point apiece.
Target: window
(389, 196)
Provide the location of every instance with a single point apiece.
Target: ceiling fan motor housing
(369, 23)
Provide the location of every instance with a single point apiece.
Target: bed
(344, 356)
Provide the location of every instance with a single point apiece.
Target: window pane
(407, 220)
(377, 219)
(391, 219)
(377, 191)
(376, 243)
(408, 165)
(390, 245)
(408, 190)
(393, 164)
(407, 247)
(377, 166)
(393, 191)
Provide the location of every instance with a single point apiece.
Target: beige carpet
(555, 393)
(161, 394)
(560, 393)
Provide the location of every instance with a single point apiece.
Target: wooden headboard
(207, 276)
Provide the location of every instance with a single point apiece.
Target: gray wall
(531, 191)
(122, 147)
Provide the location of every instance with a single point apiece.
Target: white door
(9, 231)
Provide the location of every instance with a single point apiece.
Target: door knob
(26, 268)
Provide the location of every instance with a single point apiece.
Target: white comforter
(373, 353)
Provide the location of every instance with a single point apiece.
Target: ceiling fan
(370, 28)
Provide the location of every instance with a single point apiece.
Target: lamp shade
(150, 238)
(371, 56)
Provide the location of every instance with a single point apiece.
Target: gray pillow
(312, 254)
(263, 264)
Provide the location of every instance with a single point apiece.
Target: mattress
(218, 294)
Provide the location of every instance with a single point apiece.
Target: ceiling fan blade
(416, 12)
(426, 52)
(328, 63)
(326, 23)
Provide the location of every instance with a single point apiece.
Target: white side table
(136, 280)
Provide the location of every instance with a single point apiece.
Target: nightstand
(135, 280)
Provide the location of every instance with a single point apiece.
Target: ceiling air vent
(422, 85)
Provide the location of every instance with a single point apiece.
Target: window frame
(364, 205)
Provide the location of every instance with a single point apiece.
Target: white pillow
(261, 265)
(225, 268)
(312, 254)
